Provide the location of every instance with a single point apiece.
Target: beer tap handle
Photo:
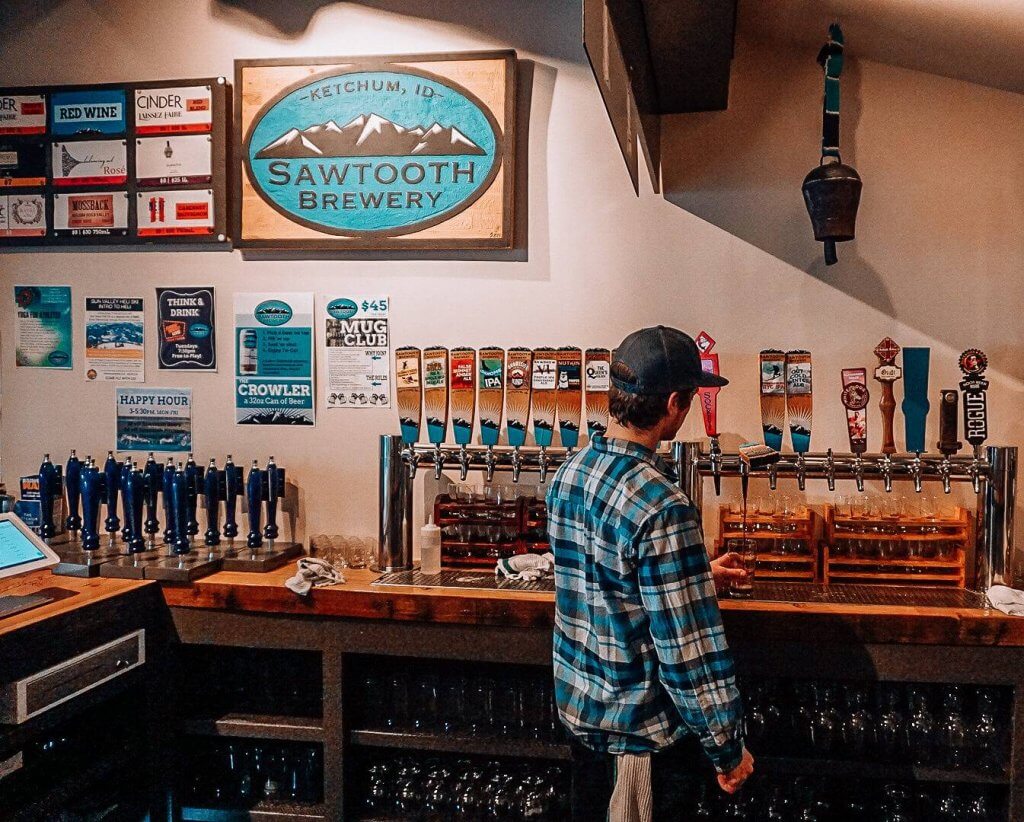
(112, 484)
(138, 540)
(47, 493)
(886, 463)
(127, 500)
(275, 490)
(72, 476)
(830, 470)
(153, 476)
(195, 474)
(254, 500)
(716, 464)
(949, 420)
(211, 500)
(91, 488)
(232, 488)
(179, 504)
(167, 484)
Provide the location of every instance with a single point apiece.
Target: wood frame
(217, 240)
(335, 244)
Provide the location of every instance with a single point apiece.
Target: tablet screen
(15, 548)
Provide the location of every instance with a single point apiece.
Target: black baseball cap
(664, 360)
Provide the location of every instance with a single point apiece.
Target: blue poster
(95, 111)
(42, 326)
(154, 419)
(274, 359)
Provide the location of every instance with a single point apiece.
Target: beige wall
(937, 264)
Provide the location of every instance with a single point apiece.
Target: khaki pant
(631, 797)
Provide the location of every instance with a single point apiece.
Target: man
(642, 668)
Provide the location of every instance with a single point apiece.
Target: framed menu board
(115, 165)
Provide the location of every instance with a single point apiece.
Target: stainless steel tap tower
(992, 471)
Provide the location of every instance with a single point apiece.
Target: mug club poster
(378, 152)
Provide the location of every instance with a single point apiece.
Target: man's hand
(727, 569)
(733, 781)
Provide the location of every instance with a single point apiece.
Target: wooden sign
(492, 393)
(463, 393)
(597, 383)
(435, 393)
(409, 390)
(545, 387)
(518, 373)
(773, 396)
(569, 399)
(799, 399)
(376, 152)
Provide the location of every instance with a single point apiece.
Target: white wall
(600, 262)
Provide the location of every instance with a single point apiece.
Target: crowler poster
(42, 335)
(379, 152)
(274, 359)
(154, 419)
(115, 348)
(357, 342)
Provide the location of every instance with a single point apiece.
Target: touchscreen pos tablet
(21, 551)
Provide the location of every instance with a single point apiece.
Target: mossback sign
(380, 152)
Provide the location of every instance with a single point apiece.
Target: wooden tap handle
(888, 406)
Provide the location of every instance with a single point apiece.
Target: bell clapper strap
(830, 58)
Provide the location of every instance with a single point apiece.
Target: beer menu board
(117, 164)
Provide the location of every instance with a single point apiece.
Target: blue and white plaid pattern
(640, 654)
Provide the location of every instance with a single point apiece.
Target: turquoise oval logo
(58, 358)
(273, 312)
(342, 309)
(199, 331)
(373, 153)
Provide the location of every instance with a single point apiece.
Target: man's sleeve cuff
(726, 757)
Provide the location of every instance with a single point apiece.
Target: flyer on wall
(154, 419)
(357, 339)
(43, 326)
(115, 348)
(186, 329)
(274, 359)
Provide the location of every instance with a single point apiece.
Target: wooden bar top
(69, 593)
(744, 619)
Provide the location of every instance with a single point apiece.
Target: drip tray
(911, 596)
(464, 579)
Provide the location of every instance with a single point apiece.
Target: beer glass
(747, 549)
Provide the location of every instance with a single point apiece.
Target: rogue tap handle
(91, 488)
(232, 488)
(254, 499)
(179, 505)
(48, 484)
(949, 420)
(153, 475)
(275, 488)
(167, 482)
(72, 476)
(211, 495)
(112, 477)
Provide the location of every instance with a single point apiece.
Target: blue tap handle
(275, 490)
(72, 475)
(126, 509)
(91, 487)
(153, 475)
(167, 483)
(47, 492)
(195, 484)
(179, 505)
(211, 494)
(254, 499)
(232, 487)
(112, 484)
(133, 492)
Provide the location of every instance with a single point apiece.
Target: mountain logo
(370, 135)
(377, 152)
(273, 312)
(342, 308)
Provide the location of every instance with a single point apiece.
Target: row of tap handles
(88, 486)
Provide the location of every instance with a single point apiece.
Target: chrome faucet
(716, 465)
(858, 473)
(463, 463)
(517, 464)
(773, 476)
(410, 456)
(944, 470)
(438, 461)
(886, 465)
(542, 463)
(915, 471)
(830, 470)
(975, 469)
(801, 472)
(490, 462)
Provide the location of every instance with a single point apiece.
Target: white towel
(1008, 600)
(631, 799)
(313, 572)
(526, 567)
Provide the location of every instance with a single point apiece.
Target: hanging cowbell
(832, 189)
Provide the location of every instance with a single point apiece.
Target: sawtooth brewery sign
(410, 152)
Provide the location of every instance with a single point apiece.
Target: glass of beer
(747, 550)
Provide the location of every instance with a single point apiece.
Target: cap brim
(707, 380)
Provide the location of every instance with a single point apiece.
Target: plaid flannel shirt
(640, 655)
